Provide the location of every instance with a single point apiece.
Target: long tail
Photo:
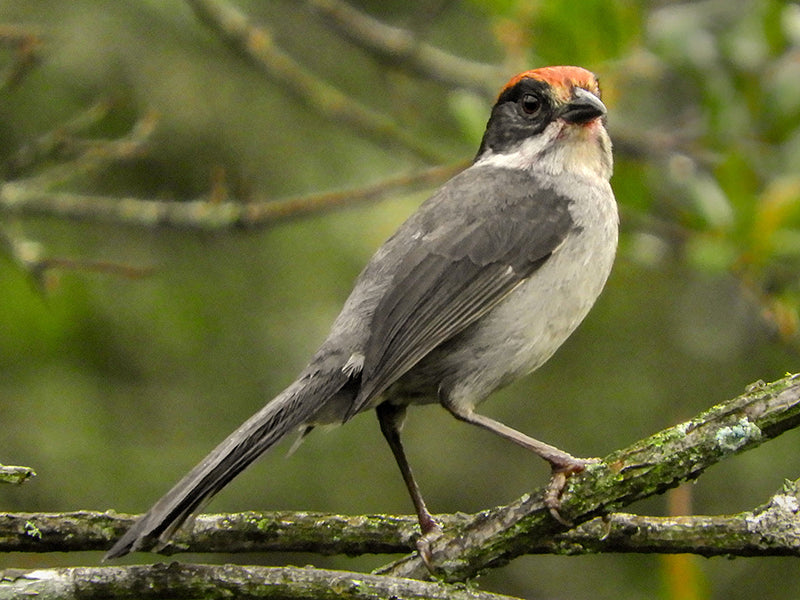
(294, 407)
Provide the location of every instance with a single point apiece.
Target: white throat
(583, 150)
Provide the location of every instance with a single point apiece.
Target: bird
(477, 288)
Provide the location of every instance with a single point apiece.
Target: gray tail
(288, 411)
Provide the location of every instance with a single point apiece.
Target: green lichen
(15, 475)
(264, 524)
(32, 530)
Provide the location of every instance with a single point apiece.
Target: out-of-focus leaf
(778, 206)
(470, 113)
(711, 253)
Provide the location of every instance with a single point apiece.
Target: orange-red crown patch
(561, 79)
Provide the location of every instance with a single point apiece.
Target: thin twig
(19, 198)
(27, 46)
(29, 258)
(257, 45)
(93, 155)
(87, 265)
(60, 143)
(401, 48)
(15, 475)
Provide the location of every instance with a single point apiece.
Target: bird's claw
(558, 481)
(432, 533)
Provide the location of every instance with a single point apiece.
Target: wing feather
(456, 272)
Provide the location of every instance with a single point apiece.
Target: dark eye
(531, 104)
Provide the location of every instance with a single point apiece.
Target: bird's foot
(431, 532)
(558, 481)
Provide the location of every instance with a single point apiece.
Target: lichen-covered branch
(16, 475)
(494, 537)
(220, 581)
(769, 530)
(230, 533)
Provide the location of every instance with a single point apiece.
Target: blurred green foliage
(112, 387)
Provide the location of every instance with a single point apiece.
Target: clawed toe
(552, 496)
(424, 545)
(558, 481)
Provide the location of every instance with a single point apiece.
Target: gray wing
(459, 271)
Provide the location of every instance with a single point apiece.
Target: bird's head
(549, 119)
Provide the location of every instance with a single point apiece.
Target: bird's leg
(391, 418)
(562, 463)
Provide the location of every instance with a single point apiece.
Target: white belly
(528, 326)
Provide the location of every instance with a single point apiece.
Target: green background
(111, 388)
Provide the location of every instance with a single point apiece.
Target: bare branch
(257, 45)
(60, 143)
(401, 48)
(27, 46)
(16, 197)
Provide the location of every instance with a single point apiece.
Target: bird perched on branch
(478, 287)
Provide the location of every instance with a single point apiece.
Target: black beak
(583, 107)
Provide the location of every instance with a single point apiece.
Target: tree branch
(59, 143)
(769, 530)
(256, 44)
(400, 47)
(16, 197)
(15, 475)
(93, 155)
(772, 529)
(27, 46)
(281, 531)
(494, 537)
(30, 258)
(220, 581)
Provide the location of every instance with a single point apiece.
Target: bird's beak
(583, 107)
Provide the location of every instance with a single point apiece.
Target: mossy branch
(493, 537)
(650, 466)
(772, 529)
(221, 581)
(16, 475)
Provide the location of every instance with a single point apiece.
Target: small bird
(477, 288)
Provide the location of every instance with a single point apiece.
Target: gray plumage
(478, 287)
